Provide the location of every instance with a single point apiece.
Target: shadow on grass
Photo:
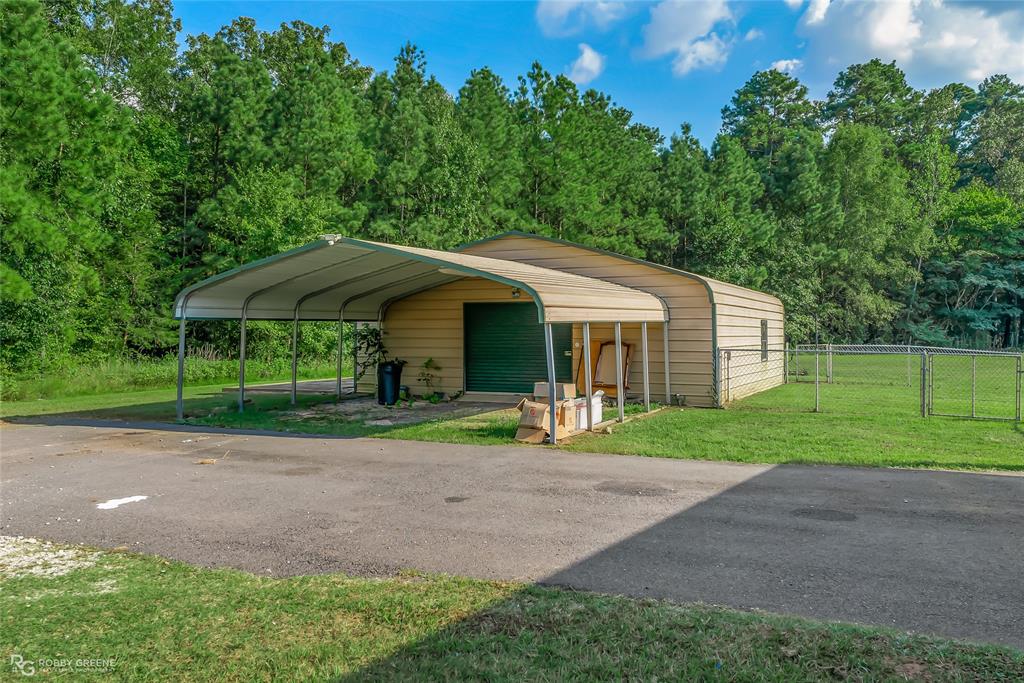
(930, 552)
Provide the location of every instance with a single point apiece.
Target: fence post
(828, 364)
(817, 388)
(785, 364)
(1020, 370)
(924, 384)
(974, 384)
(728, 376)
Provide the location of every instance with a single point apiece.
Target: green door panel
(504, 348)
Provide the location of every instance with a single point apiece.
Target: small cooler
(581, 410)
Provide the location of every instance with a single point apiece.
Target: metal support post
(647, 378)
(295, 356)
(181, 364)
(241, 365)
(588, 379)
(341, 352)
(668, 366)
(549, 351)
(620, 389)
(355, 358)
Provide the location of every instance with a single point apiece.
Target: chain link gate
(981, 386)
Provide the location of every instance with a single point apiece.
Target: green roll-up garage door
(505, 348)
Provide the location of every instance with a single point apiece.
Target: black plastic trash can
(389, 378)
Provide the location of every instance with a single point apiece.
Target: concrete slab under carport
(309, 386)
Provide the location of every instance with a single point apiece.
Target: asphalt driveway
(933, 552)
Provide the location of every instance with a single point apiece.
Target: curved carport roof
(355, 279)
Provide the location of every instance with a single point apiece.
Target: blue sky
(669, 62)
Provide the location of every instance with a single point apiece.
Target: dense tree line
(131, 168)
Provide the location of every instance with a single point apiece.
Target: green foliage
(130, 168)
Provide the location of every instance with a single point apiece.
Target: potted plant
(371, 352)
(427, 379)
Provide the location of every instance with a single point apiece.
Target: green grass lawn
(154, 619)
(860, 424)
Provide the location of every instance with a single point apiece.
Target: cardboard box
(563, 390)
(534, 422)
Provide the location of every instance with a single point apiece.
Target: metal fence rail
(851, 378)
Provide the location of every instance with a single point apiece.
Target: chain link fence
(910, 380)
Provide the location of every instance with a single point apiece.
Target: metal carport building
(342, 279)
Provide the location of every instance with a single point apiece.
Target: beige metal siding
(740, 312)
(689, 310)
(430, 325)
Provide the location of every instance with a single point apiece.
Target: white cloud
(753, 34)
(816, 11)
(566, 17)
(794, 4)
(687, 30)
(932, 41)
(788, 66)
(587, 66)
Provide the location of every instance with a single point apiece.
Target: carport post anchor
(588, 380)
(241, 365)
(181, 365)
(549, 351)
(620, 398)
(647, 377)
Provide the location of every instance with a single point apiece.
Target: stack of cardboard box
(534, 423)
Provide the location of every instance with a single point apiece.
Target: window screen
(764, 340)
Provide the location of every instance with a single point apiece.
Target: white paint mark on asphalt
(116, 502)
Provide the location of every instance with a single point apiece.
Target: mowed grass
(163, 620)
(870, 416)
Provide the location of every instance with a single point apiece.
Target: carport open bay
(934, 552)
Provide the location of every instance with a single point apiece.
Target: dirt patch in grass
(21, 557)
(371, 414)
